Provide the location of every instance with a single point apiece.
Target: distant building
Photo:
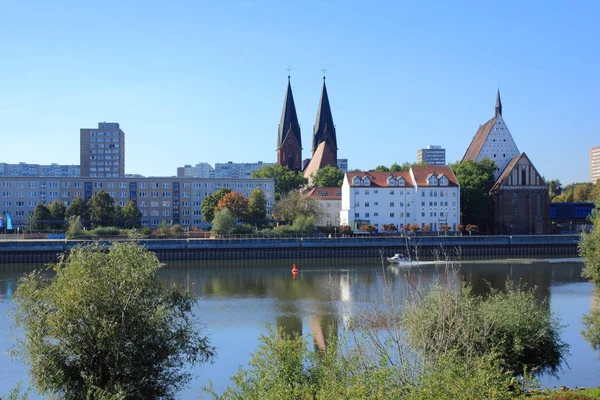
(428, 196)
(432, 155)
(102, 151)
(169, 199)
(24, 169)
(330, 200)
(519, 203)
(200, 170)
(237, 170)
(342, 163)
(594, 164)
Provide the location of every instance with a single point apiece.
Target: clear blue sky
(199, 81)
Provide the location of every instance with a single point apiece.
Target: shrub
(176, 229)
(74, 229)
(224, 222)
(346, 230)
(304, 224)
(368, 228)
(105, 231)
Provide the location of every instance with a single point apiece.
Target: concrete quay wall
(425, 247)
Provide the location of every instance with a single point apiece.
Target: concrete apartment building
(432, 155)
(330, 200)
(102, 151)
(424, 195)
(25, 169)
(200, 170)
(594, 164)
(237, 170)
(174, 200)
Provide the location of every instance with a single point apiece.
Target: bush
(105, 326)
(368, 228)
(74, 229)
(304, 224)
(224, 222)
(104, 231)
(176, 229)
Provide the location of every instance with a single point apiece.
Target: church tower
(289, 140)
(324, 129)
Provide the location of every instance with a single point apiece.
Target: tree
(77, 207)
(286, 180)
(382, 168)
(57, 211)
(236, 202)
(294, 204)
(476, 179)
(368, 228)
(445, 228)
(328, 176)
(105, 326)
(74, 228)
(210, 202)
(395, 167)
(554, 188)
(257, 207)
(131, 215)
(346, 230)
(390, 228)
(224, 221)
(101, 208)
(40, 216)
(117, 216)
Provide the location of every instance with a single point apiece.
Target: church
(520, 201)
(289, 138)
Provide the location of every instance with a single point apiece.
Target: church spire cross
(289, 70)
(324, 71)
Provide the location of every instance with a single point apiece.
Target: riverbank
(422, 247)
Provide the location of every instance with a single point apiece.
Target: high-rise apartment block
(594, 164)
(24, 169)
(237, 170)
(432, 155)
(102, 151)
(342, 163)
(200, 170)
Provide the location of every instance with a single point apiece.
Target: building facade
(432, 155)
(24, 169)
(102, 151)
(594, 164)
(426, 196)
(200, 170)
(238, 170)
(342, 164)
(169, 199)
(330, 200)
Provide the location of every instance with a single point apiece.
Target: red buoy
(294, 269)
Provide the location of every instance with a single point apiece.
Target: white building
(330, 200)
(237, 170)
(200, 170)
(594, 164)
(427, 196)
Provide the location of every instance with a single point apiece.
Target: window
(366, 204)
(110, 185)
(185, 185)
(366, 181)
(154, 213)
(392, 215)
(166, 185)
(143, 185)
(366, 215)
(154, 185)
(98, 185)
(166, 204)
(154, 204)
(143, 203)
(392, 204)
(356, 215)
(366, 192)
(166, 213)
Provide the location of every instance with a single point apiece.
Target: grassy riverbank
(567, 395)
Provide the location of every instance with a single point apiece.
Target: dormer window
(432, 180)
(443, 180)
(356, 180)
(391, 181)
(401, 181)
(366, 181)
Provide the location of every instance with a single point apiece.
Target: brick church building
(520, 201)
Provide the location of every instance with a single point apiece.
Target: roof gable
(422, 174)
(379, 179)
(520, 171)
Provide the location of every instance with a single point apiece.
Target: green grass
(567, 395)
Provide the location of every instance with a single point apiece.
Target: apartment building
(174, 200)
(102, 151)
(427, 196)
(25, 169)
(200, 170)
(594, 164)
(432, 155)
(330, 200)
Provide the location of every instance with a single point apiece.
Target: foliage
(236, 202)
(78, 207)
(328, 176)
(476, 179)
(224, 222)
(523, 332)
(382, 168)
(57, 211)
(176, 229)
(554, 188)
(105, 325)
(131, 215)
(294, 204)
(390, 228)
(471, 228)
(589, 249)
(575, 192)
(395, 167)
(163, 228)
(346, 230)
(102, 231)
(286, 180)
(101, 208)
(257, 207)
(427, 228)
(74, 228)
(304, 224)
(210, 202)
(40, 213)
(368, 228)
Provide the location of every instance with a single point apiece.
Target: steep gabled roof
(289, 119)
(509, 168)
(323, 156)
(326, 193)
(380, 179)
(421, 173)
(324, 129)
(479, 140)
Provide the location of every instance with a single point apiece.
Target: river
(239, 300)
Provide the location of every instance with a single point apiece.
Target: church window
(538, 205)
(523, 177)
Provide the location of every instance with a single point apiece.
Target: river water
(239, 300)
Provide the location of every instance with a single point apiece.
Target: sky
(204, 81)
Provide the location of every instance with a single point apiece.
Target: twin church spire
(289, 140)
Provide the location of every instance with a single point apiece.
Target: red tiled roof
(326, 193)
(379, 179)
(479, 140)
(421, 173)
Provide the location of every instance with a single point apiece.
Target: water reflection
(239, 298)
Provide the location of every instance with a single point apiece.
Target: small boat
(400, 259)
